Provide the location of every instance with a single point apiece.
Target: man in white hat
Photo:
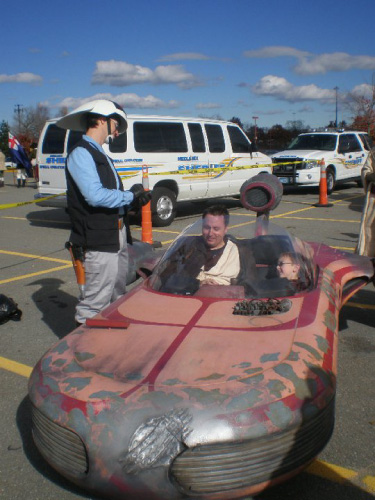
(97, 204)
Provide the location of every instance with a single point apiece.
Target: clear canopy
(261, 255)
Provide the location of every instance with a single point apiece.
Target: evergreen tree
(4, 130)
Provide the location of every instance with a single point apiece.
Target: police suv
(186, 159)
(344, 154)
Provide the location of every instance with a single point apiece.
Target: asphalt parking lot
(37, 273)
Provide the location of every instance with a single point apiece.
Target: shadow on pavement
(310, 487)
(359, 314)
(51, 217)
(57, 306)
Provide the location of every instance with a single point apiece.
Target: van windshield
(318, 142)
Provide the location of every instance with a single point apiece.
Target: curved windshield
(268, 263)
(318, 142)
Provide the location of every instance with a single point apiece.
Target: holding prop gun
(78, 259)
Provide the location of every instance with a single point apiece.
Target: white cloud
(364, 89)
(280, 88)
(21, 78)
(276, 51)
(336, 61)
(312, 64)
(184, 56)
(127, 100)
(207, 105)
(122, 74)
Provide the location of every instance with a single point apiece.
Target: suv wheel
(331, 180)
(163, 206)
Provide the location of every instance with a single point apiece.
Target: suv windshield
(321, 142)
(264, 256)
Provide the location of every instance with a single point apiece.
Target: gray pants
(105, 279)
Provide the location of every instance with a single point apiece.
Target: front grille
(286, 167)
(229, 466)
(63, 449)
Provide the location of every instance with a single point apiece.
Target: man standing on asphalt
(97, 204)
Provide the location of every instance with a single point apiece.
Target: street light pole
(255, 118)
(336, 89)
(18, 109)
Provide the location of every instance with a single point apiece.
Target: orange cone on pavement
(323, 198)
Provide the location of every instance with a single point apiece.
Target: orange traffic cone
(146, 211)
(323, 199)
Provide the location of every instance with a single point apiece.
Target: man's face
(213, 231)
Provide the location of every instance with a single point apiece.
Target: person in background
(98, 204)
(21, 175)
(366, 238)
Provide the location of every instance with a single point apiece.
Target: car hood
(303, 153)
(191, 349)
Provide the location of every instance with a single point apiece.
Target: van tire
(163, 206)
(331, 180)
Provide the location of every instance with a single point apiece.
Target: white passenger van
(344, 154)
(186, 158)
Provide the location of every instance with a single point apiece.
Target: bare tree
(30, 122)
(362, 107)
(64, 110)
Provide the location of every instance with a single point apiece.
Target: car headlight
(310, 164)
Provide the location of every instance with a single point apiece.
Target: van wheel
(163, 206)
(331, 181)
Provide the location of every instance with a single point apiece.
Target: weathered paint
(187, 372)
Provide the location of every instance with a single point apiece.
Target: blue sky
(275, 60)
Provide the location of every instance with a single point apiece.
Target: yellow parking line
(31, 256)
(330, 471)
(338, 474)
(326, 220)
(25, 276)
(37, 220)
(370, 483)
(13, 366)
(360, 306)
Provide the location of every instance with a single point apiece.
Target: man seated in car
(209, 259)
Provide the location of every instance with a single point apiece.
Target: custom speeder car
(215, 392)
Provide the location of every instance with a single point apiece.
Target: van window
(239, 141)
(349, 144)
(74, 137)
(119, 144)
(155, 137)
(366, 141)
(215, 138)
(197, 138)
(54, 139)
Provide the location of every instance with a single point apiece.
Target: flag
(18, 153)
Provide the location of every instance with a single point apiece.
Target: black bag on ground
(8, 310)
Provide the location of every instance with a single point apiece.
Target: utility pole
(255, 118)
(336, 89)
(18, 109)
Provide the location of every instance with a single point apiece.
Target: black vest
(93, 228)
